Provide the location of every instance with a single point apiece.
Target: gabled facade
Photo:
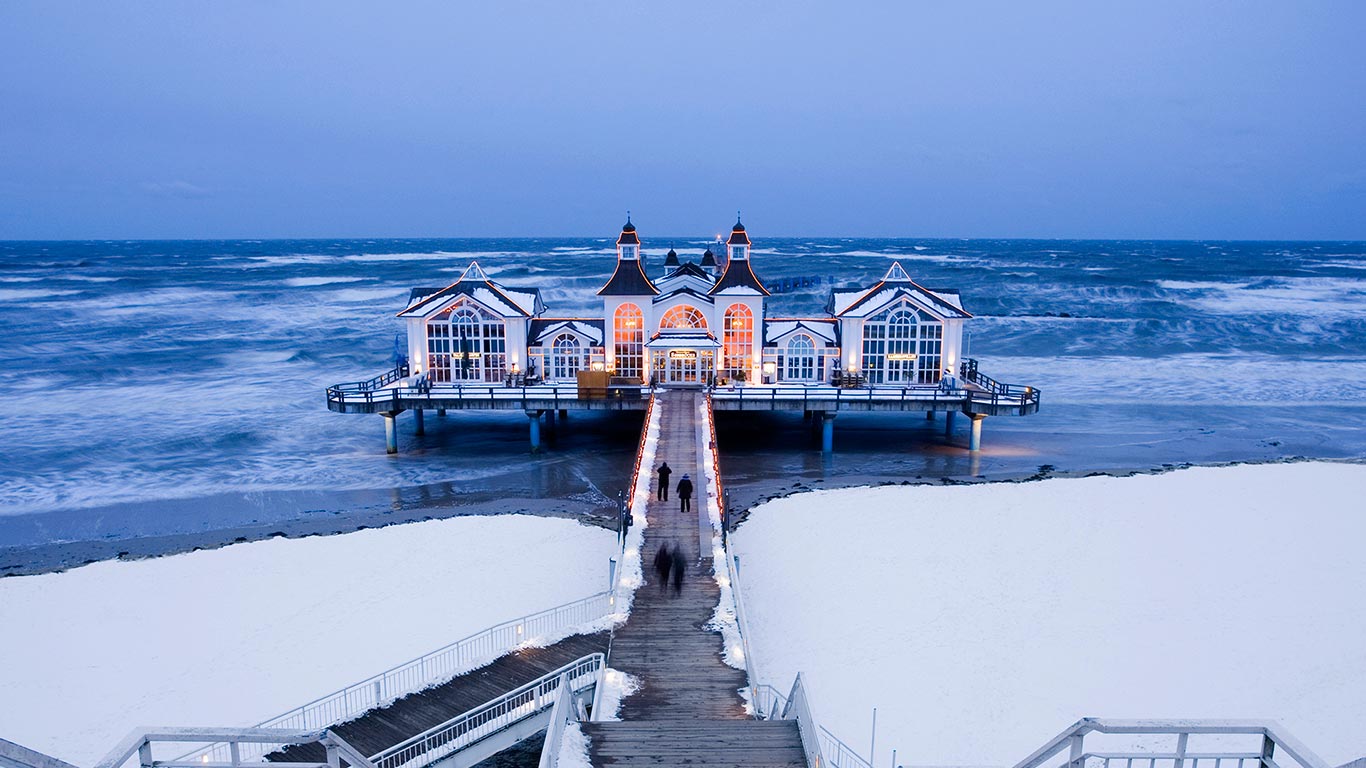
(695, 324)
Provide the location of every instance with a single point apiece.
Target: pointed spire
(473, 272)
(897, 274)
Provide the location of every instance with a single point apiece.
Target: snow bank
(631, 574)
(235, 635)
(982, 620)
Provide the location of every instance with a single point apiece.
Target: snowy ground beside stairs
(982, 620)
(235, 635)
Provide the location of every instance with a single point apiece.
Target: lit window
(737, 339)
(629, 337)
(683, 316)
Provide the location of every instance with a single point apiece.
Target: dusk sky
(1143, 119)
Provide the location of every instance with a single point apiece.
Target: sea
(161, 395)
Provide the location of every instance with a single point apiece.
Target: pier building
(894, 345)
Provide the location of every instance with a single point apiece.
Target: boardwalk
(688, 710)
(380, 729)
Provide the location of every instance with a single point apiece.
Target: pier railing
(429, 669)
(994, 393)
(395, 394)
(1236, 743)
(821, 397)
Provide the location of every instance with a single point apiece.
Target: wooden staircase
(656, 743)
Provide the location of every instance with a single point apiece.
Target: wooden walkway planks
(664, 643)
(688, 711)
(380, 729)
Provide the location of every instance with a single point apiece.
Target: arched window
(628, 334)
(683, 316)
(801, 358)
(738, 339)
(465, 343)
(902, 346)
(566, 357)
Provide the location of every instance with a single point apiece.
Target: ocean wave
(30, 294)
(1187, 379)
(1306, 296)
(428, 256)
(308, 282)
(361, 295)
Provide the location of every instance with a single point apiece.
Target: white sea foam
(429, 256)
(29, 294)
(1305, 296)
(1188, 379)
(307, 282)
(21, 279)
(358, 295)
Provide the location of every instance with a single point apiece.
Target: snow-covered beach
(981, 620)
(235, 635)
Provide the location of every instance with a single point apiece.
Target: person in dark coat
(663, 562)
(664, 473)
(677, 565)
(685, 493)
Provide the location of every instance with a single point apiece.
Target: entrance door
(682, 367)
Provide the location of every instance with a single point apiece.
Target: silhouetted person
(685, 494)
(678, 564)
(663, 562)
(664, 473)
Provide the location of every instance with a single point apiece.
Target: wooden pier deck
(688, 710)
(380, 729)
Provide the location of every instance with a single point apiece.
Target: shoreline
(58, 557)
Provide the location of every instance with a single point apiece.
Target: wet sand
(763, 456)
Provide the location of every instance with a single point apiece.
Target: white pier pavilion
(891, 346)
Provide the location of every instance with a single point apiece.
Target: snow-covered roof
(689, 276)
(544, 330)
(739, 279)
(687, 340)
(896, 285)
(820, 328)
(685, 290)
(628, 279)
(474, 283)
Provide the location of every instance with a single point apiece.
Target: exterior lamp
(597, 366)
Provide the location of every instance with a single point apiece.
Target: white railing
(141, 742)
(1233, 743)
(493, 716)
(429, 669)
(833, 751)
(762, 708)
(560, 716)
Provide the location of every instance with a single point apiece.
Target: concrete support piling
(419, 424)
(390, 433)
(535, 417)
(441, 413)
(827, 432)
(929, 415)
(975, 441)
(564, 414)
(948, 423)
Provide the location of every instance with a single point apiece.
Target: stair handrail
(561, 715)
(19, 756)
(140, 743)
(1273, 736)
(492, 716)
(432, 668)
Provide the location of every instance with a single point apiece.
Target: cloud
(183, 190)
